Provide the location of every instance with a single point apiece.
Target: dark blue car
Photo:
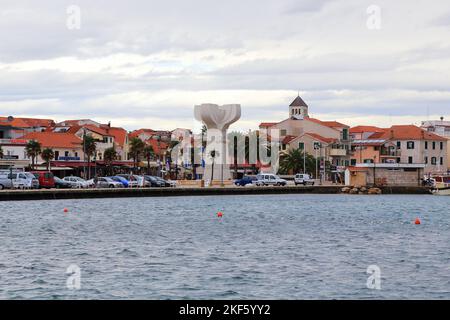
(244, 181)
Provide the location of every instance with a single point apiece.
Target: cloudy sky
(145, 63)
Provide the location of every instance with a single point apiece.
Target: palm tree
(33, 149)
(136, 148)
(89, 149)
(110, 155)
(236, 148)
(293, 162)
(47, 155)
(149, 154)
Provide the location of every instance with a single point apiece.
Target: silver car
(105, 182)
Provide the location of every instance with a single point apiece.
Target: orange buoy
(219, 214)
(66, 210)
(417, 221)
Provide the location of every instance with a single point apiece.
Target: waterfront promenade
(43, 194)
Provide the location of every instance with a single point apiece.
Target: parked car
(61, 184)
(5, 182)
(303, 179)
(77, 182)
(122, 180)
(46, 179)
(20, 179)
(131, 179)
(164, 183)
(105, 182)
(268, 179)
(142, 182)
(244, 181)
(155, 183)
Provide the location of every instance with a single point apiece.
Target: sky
(145, 63)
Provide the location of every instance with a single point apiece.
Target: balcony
(390, 153)
(335, 152)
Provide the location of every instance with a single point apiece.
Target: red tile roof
(321, 138)
(154, 143)
(331, 124)
(267, 124)
(288, 139)
(120, 135)
(362, 129)
(405, 132)
(26, 122)
(55, 140)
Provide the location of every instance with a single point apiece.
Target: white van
(21, 180)
(268, 179)
(303, 179)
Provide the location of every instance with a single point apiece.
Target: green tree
(149, 154)
(33, 150)
(1, 152)
(110, 155)
(136, 148)
(292, 162)
(47, 155)
(89, 149)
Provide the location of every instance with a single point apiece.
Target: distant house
(400, 144)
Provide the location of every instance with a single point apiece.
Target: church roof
(298, 102)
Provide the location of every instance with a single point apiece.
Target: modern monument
(217, 120)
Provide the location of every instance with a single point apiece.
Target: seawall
(17, 195)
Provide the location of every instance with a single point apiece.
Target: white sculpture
(217, 119)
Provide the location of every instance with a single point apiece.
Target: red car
(46, 179)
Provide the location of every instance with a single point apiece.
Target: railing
(338, 152)
(390, 153)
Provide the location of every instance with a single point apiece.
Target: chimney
(442, 118)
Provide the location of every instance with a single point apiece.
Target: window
(283, 147)
(442, 145)
(410, 159)
(56, 155)
(441, 161)
(434, 145)
(301, 145)
(66, 153)
(426, 145)
(426, 160)
(353, 162)
(368, 160)
(283, 132)
(345, 134)
(399, 144)
(433, 161)
(410, 145)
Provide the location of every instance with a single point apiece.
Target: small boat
(441, 185)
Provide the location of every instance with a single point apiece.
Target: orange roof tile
(405, 132)
(26, 122)
(362, 129)
(319, 137)
(331, 124)
(55, 140)
(267, 124)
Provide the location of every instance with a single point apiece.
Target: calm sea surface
(264, 247)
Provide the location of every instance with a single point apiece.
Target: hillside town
(329, 151)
